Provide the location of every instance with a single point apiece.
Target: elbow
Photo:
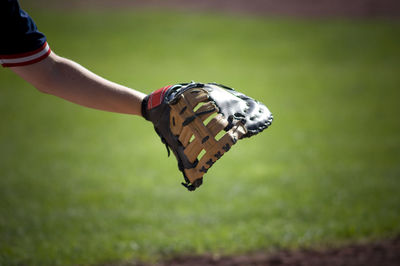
(42, 75)
(49, 81)
(44, 89)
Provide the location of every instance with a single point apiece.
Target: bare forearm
(66, 79)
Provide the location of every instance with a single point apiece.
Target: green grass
(80, 186)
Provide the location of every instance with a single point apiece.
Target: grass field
(80, 186)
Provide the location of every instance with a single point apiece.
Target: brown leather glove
(200, 122)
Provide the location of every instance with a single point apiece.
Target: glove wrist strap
(144, 107)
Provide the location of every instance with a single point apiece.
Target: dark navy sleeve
(21, 42)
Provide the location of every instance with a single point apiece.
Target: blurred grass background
(80, 186)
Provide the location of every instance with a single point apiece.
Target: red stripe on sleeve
(28, 62)
(14, 56)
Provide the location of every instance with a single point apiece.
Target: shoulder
(22, 43)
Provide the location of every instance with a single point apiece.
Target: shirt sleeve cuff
(25, 58)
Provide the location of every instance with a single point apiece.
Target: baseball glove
(200, 122)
